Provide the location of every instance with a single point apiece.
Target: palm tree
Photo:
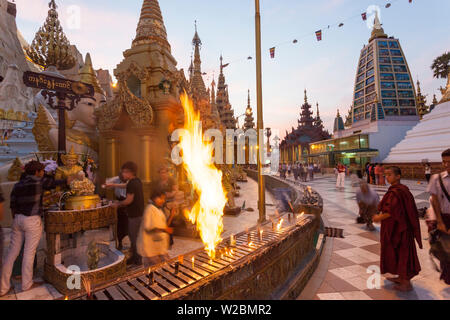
(441, 66)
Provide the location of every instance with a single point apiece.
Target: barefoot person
(368, 201)
(399, 227)
(439, 188)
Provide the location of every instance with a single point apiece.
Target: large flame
(206, 179)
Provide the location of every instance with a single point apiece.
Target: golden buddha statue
(82, 186)
(70, 168)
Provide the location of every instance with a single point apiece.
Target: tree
(441, 66)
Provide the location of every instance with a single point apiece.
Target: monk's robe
(398, 249)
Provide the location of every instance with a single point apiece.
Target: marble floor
(345, 271)
(232, 225)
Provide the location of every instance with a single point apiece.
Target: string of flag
(319, 33)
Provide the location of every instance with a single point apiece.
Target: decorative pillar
(146, 161)
(111, 157)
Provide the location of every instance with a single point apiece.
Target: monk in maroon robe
(399, 227)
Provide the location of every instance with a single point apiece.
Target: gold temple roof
(377, 31)
(88, 75)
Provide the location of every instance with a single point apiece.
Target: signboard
(50, 83)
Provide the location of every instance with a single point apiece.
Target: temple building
(226, 112)
(136, 124)
(426, 141)
(385, 104)
(203, 101)
(296, 145)
(249, 122)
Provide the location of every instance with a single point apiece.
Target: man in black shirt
(134, 206)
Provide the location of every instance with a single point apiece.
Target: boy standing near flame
(154, 233)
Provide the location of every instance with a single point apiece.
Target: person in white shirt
(439, 188)
(154, 234)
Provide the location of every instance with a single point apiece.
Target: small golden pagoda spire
(151, 27)
(377, 31)
(87, 75)
(50, 46)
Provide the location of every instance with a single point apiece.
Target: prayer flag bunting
(388, 5)
(364, 16)
(341, 25)
(272, 52)
(319, 35)
(295, 41)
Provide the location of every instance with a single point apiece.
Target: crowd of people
(150, 234)
(300, 171)
(147, 226)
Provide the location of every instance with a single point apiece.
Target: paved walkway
(343, 271)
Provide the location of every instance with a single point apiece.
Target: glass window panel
(364, 141)
(390, 102)
(405, 94)
(364, 52)
(401, 76)
(359, 86)
(359, 102)
(385, 68)
(370, 80)
(388, 94)
(384, 59)
(404, 85)
(370, 48)
(370, 89)
(370, 64)
(359, 94)
(363, 61)
(368, 115)
(400, 68)
(398, 60)
(386, 76)
(370, 56)
(371, 97)
(387, 85)
(384, 52)
(361, 78)
(396, 53)
(408, 111)
(407, 103)
(391, 112)
(382, 44)
(393, 44)
(362, 69)
(369, 73)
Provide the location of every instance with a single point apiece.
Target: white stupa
(427, 140)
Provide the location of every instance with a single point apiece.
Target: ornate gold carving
(50, 46)
(41, 131)
(139, 110)
(133, 69)
(108, 114)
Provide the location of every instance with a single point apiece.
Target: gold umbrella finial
(50, 46)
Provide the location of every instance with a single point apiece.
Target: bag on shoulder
(440, 245)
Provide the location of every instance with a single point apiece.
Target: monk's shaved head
(395, 170)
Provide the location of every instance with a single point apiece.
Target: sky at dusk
(326, 69)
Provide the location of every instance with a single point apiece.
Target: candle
(193, 262)
(151, 279)
(261, 235)
(177, 267)
(232, 240)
